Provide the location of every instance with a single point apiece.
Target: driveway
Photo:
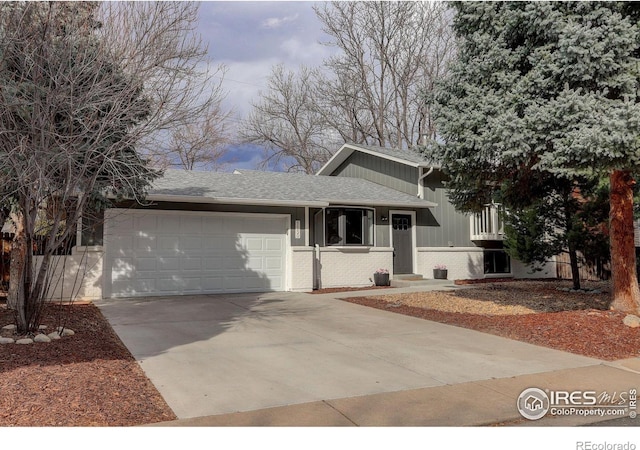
(226, 353)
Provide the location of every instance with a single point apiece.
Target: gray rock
(4, 340)
(42, 327)
(54, 336)
(24, 341)
(65, 331)
(632, 321)
(9, 327)
(42, 338)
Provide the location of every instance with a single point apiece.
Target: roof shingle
(277, 188)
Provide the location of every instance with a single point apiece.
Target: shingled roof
(277, 189)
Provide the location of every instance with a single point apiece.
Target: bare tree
(287, 121)
(202, 143)
(83, 87)
(389, 55)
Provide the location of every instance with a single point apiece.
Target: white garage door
(175, 252)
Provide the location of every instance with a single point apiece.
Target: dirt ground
(90, 378)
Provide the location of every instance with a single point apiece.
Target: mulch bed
(590, 332)
(89, 379)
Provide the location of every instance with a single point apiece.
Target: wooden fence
(597, 272)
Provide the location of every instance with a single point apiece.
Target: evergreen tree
(550, 90)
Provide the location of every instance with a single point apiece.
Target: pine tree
(549, 89)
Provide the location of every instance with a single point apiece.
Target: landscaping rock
(25, 341)
(632, 321)
(65, 331)
(54, 336)
(42, 338)
(42, 327)
(6, 340)
(9, 327)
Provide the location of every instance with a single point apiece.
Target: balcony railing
(488, 224)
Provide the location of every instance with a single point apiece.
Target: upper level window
(349, 226)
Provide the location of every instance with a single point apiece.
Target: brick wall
(352, 267)
(467, 263)
(77, 276)
(301, 269)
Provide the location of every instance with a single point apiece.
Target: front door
(402, 243)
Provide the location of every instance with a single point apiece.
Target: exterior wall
(463, 263)
(441, 226)
(351, 266)
(468, 264)
(301, 266)
(400, 177)
(77, 276)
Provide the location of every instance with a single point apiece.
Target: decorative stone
(24, 341)
(42, 327)
(4, 340)
(42, 338)
(632, 321)
(65, 331)
(54, 336)
(9, 327)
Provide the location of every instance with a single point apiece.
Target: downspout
(420, 183)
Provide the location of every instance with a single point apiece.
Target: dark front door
(402, 243)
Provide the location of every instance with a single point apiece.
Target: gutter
(233, 201)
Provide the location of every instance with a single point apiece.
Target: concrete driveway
(218, 354)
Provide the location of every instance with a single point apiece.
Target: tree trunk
(16, 297)
(575, 270)
(626, 296)
(569, 214)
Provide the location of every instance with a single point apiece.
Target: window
(348, 226)
(496, 261)
(92, 227)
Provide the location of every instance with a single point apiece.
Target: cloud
(305, 52)
(276, 22)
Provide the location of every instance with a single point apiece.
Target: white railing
(488, 224)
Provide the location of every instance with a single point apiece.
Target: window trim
(342, 222)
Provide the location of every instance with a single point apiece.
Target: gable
(402, 156)
(382, 171)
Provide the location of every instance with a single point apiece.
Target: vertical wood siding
(381, 171)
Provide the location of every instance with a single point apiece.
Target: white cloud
(276, 22)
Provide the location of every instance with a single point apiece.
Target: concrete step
(408, 276)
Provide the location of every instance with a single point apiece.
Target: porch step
(410, 280)
(408, 276)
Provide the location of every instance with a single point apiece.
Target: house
(252, 231)
(470, 246)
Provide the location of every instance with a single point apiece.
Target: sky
(249, 38)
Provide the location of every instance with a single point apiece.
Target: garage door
(172, 253)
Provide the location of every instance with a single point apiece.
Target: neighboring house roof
(276, 189)
(403, 156)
